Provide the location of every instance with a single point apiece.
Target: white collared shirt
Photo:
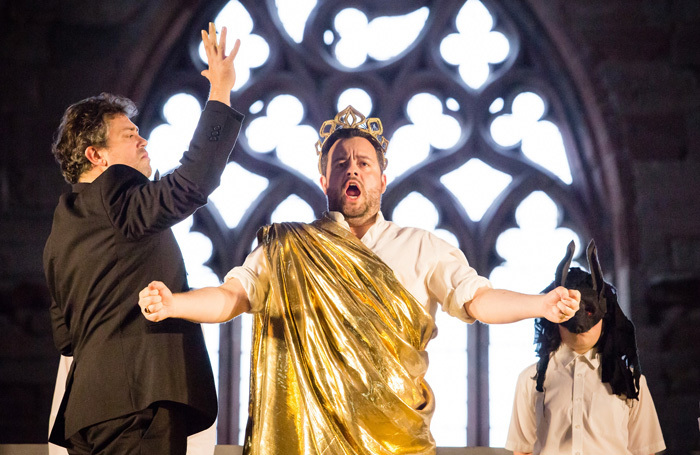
(432, 270)
(578, 414)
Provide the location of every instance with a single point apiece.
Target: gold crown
(351, 118)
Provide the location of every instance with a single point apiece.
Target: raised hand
(156, 301)
(221, 72)
(561, 304)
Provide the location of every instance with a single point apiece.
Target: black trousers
(159, 429)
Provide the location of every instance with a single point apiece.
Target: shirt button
(578, 426)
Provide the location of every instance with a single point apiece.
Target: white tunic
(578, 414)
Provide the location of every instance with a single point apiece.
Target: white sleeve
(254, 276)
(452, 281)
(522, 433)
(645, 435)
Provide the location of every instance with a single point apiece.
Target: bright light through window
(293, 209)
(182, 111)
(540, 140)
(476, 185)
(357, 98)
(408, 146)
(168, 142)
(475, 46)
(452, 104)
(196, 250)
(238, 189)
(293, 14)
(430, 126)
(531, 252)
(254, 49)
(382, 38)
(497, 105)
(280, 130)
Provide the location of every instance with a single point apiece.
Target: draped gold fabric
(338, 357)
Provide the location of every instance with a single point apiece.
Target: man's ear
(383, 182)
(95, 156)
(324, 184)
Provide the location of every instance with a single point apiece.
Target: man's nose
(352, 169)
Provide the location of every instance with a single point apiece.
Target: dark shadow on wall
(28, 363)
(675, 313)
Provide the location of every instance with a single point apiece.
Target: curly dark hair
(84, 124)
(345, 133)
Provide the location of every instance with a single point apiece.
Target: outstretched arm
(221, 72)
(498, 306)
(212, 304)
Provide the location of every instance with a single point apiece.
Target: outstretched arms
(221, 72)
(498, 306)
(212, 304)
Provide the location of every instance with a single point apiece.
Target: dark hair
(345, 133)
(84, 124)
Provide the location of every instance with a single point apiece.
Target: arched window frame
(534, 65)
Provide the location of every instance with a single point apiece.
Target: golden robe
(338, 356)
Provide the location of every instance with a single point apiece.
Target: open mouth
(352, 191)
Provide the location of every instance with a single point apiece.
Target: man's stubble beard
(358, 214)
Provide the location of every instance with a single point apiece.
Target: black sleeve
(140, 207)
(61, 336)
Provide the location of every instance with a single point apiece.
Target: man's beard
(353, 211)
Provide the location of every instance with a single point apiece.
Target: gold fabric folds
(338, 357)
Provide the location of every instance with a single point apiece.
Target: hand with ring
(156, 301)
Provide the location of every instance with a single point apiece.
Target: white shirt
(432, 270)
(578, 414)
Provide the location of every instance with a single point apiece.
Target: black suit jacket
(109, 239)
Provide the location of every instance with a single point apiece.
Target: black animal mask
(592, 287)
(617, 345)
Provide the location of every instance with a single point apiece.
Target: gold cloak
(338, 355)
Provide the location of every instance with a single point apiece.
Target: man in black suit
(134, 386)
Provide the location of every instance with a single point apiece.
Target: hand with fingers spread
(221, 72)
(561, 304)
(156, 301)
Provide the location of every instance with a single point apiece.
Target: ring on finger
(146, 310)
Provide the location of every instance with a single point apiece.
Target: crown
(351, 118)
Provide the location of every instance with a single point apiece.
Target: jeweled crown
(351, 118)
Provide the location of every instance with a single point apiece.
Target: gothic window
(487, 149)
